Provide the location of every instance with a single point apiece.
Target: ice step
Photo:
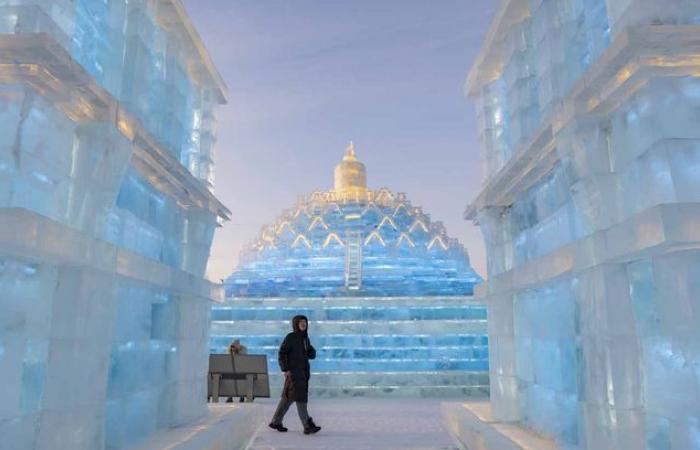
(472, 425)
(357, 340)
(394, 365)
(473, 352)
(344, 379)
(353, 261)
(323, 327)
(347, 302)
(471, 392)
(392, 384)
(444, 312)
(225, 426)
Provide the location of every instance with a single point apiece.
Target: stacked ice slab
(589, 115)
(106, 219)
(369, 346)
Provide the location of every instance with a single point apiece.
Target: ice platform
(473, 428)
(225, 427)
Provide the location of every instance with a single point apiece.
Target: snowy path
(360, 424)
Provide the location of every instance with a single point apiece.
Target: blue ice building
(106, 219)
(388, 292)
(589, 114)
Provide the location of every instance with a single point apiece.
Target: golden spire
(350, 152)
(350, 174)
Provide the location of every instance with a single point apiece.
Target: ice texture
(106, 173)
(368, 346)
(590, 213)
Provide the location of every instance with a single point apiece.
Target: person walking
(294, 355)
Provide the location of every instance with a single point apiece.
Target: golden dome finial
(350, 174)
(350, 152)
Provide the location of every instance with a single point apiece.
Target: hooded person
(294, 355)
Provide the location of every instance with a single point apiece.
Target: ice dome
(353, 241)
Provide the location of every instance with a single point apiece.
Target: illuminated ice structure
(106, 219)
(589, 113)
(388, 294)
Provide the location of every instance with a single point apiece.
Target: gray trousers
(284, 405)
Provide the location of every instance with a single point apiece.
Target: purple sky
(305, 77)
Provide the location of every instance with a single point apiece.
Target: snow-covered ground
(360, 424)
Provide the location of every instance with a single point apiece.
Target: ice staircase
(369, 346)
(353, 261)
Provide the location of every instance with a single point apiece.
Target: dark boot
(311, 427)
(277, 426)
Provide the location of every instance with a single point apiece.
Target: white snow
(361, 424)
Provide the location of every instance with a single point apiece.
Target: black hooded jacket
(294, 355)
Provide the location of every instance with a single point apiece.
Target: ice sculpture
(387, 291)
(106, 219)
(589, 115)
(353, 240)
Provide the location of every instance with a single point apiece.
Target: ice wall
(591, 219)
(106, 219)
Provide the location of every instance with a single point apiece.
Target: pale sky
(307, 76)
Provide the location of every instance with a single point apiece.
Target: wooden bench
(238, 376)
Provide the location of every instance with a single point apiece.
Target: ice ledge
(635, 56)
(473, 428)
(32, 237)
(225, 427)
(660, 229)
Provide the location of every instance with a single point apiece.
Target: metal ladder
(353, 261)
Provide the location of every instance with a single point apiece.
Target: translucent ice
(592, 252)
(106, 172)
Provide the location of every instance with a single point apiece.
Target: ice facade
(588, 114)
(389, 294)
(107, 215)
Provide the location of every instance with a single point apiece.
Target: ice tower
(388, 292)
(106, 219)
(589, 114)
